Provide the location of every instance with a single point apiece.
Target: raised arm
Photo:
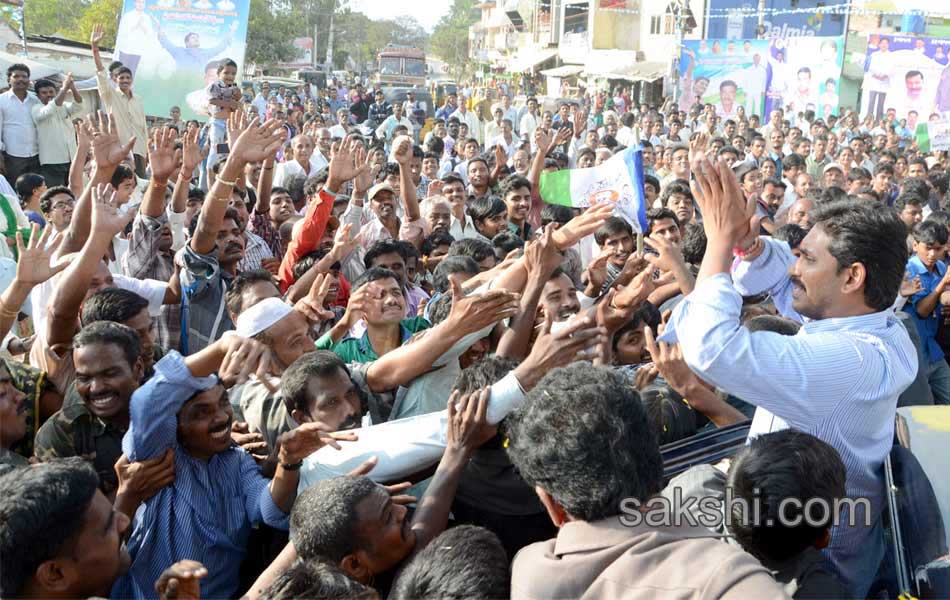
(71, 289)
(161, 157)
(402, 153)
(94, 39)
(77, 165)
(32, 268)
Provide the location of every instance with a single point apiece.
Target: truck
(402, 66)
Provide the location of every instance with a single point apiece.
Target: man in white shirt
(839, 377)
(385, 129)
(342, 123)
(54, 128)
(510, 112)
(260, 101)
(19, 141)
(464, 115)
(493, 128)
(304, 162)
(530, 120)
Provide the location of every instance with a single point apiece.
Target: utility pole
(329, 64)
(313, 52)
(675, 69)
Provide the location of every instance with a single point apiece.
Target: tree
(52, 17)
(103, 12)
(449, 39)
(270, 34)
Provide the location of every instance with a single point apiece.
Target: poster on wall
(908, 75)
(173, 48)
(728, 73)
(804, 74)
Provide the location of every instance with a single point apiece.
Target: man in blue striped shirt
(219, 493)
(839, 377)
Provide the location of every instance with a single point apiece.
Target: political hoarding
(907, 74)
(173, 48)
(804, 74)
(738, 19)
(725, 72)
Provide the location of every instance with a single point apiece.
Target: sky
(427, 12)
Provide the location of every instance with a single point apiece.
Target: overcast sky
(427, 12)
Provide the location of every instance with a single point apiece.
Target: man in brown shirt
(603, 459)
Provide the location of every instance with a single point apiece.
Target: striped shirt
(837, 379)
(210, 509)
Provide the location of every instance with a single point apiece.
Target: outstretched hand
(106, 219)
(107, 149)
(33, 266)
(181, 581)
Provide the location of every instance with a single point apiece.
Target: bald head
(798, 212)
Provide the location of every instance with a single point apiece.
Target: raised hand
(563, 136)
(252, 443)
(727, 216)
(190, 152)
(297, 444)
(181, 581)
(501, 157)
(697, 148)
(106, 219)
(107, 148)
(476, 311)
(639, 288)
(597, 270)
(357, 303)
(343, 242)
(909, 286)
(542, 256)
(669, 362)
(468, 427)
(98, 33)
(402, 150)
(343, 164)
(365, 172)
(669, 256)
(83, 137)
(33, 266)
(237, 123)
(311, 305)
(434, 189)
(579, 227)
(579, 335)
(161, 154)
(242, 358)
(141, 480)
(255, 142)
(543, 140)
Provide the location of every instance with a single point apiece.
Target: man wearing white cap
(833, 176)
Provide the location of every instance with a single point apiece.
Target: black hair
(884, 168)
(373, 274)
(930, 232)
(772, 323)
(694, 243)
(316, 182)
(473, 247)
(451, 178)
(728, 150)
(832, 194)
(17, 67)
(245, 279)
(46, 200)
(916, 186)
(39, 84)
(434, 240)
(651, 180)
(790, 233)
(485, 207)
(874, 236)
(505, 242)
(908, 198)
(858, 173)
(605, 449)
(196, 193)
(449, 265)
(112, 304)
(323, 522)
(316, 579)
(677, 186)
(792, 161)
(224, 63)
(511, 183)
(672, 418)
(940, 216)
(308, 260)
(612, 226)
(110, 332)
(773, 468)
(869, 191)
(43, 509)
(122, 173)
(381, 247)
(555, 213)
(294, 383)
(27, 183)
(646, 314)
(462, 562)
(659, 214)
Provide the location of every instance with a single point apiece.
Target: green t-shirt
(359, 350)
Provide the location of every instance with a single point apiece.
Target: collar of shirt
(869, 322)
(366, 348)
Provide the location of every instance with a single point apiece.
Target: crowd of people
(282, 354)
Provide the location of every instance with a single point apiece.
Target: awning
(563, 71)
(642, 71)
(527, 59)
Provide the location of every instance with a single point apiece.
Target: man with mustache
(219, 493)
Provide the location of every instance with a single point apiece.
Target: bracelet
(271, 168)
(227, 183)
(294, 467)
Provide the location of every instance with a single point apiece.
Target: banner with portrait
(173, 48)
(729, 73)
(908, 75)
(804, 74)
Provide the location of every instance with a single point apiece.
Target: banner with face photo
(804, 73)
(906, 75)
(727, 73)
(173, 48)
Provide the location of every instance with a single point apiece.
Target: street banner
(728, 73)
(933, 136)
(173, 48)
(907, 74)
(804, 74)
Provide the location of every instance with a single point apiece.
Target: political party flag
(923, 137)
(933, 137)
(618, 180)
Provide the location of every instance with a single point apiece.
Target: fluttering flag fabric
(618, 180)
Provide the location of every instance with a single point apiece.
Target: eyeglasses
(65, 204)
